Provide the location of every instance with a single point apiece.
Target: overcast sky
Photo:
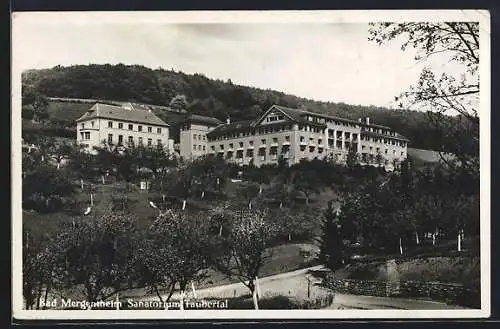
(322, 61)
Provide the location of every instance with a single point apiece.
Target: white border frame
(337, 16)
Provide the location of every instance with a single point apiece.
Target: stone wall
(445, 292)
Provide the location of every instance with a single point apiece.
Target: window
(194, 147)
(378, 149)
(222, 146)
(204, 137)
(354, 136)
(250, 143)
(231, 145)
(320, 141)
(140, 141)
(130, 127)
(110, 138)
(150, 141)
(130, 139)
(110, 124)
(199, 147)
(363, 147)
(287, 138)
(402, 153)
(158, 130)
(120, 125)
(386, 151)
(241, 144)
(203, 147)
(263, 141)
(194, 136)
(120, 139)
(158, 142)
(275, 140)
(150, 129)
(212, 148)
(92, 123)
(139, 128)
(87, 135)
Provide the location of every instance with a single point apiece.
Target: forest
(198, 94)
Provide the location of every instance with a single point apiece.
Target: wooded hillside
(201, 95)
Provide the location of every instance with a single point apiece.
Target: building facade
(121, 125)
(293, 135)
(193, 135)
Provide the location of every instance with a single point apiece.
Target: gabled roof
(119, 113)
(296, 113)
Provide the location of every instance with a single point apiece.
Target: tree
(37, 270)
(107, 159)
(179, 103)
(176, 251)
(95, 253)
(82, 164)
(331, 242)
(61, 152)
(34, 104)
(444, 93)
(306, 179)
(247, 247)
(46, 189)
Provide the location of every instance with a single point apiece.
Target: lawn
(64, 111)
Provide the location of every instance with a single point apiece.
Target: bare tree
(442, 92)
(248, 243)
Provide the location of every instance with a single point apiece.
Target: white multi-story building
(293, 135)
(124, 125)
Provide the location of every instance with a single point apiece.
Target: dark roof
(232, 127)
(195, 118)
(123, 114)
(298, 113)
(372, 134)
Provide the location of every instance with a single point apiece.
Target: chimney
(228, 120)
(367, 120)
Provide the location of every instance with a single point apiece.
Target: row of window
(379, 131)
(131, 140)
(386, 151)
(327, 120)
(260, 131)
(198, 147)
(342, 134)
(199, 137)
(273, 118)
(383, 140)
(111, 124)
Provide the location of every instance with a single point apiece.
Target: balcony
(262, 146)
(286, 144)
(274, 145)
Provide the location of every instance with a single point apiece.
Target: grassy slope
(69, 112)
(442, 265)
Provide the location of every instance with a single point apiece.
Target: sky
(321, 61)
